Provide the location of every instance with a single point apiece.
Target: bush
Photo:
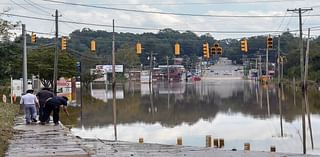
(7, 115)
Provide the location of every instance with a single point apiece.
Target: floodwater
(239, 111)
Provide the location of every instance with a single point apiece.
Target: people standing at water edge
(29, 102)
(43, 95)
(53, 105)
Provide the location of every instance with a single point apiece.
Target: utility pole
(306, 64)
(260, 69)
(257, 68)
(114, 84)
(300, 11)
(24, 45)
(113, 57)
(278, 61)
(168, 68)
(55, 64)
(151, 67)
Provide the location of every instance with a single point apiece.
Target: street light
(151, 59)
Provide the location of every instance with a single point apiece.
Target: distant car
(196, 78)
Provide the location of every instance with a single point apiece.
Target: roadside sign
(108, 68)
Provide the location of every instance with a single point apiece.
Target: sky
(220, 18)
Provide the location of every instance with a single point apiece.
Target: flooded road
(236, 110)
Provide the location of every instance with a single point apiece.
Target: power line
(144, 28)
(195, 3)
(25, 7)
(184, 3)
(38, 4)
(44, 33)
(170, 13)
(38, 8)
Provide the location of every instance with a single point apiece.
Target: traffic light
(206, 50)
(269, 42)
(219, 50)
(93, 46)
(138, 48)
(63, 43)
(177, 49)
(33, 37)
(214, 48)
(244, 45)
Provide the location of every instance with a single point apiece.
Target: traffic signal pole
(55, 64)
(24, 45)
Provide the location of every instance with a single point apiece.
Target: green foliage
(87, 78)
(11, 60)
(161, 44)
(7, 115)
(40, 62)
(126, 56)
(5, 27)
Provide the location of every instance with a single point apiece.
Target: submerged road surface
(41, 141)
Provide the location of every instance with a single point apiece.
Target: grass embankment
(7, 115)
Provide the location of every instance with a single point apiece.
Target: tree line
(160, 43)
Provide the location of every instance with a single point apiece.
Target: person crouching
(53, 105)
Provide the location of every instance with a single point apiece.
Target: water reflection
(238, 111)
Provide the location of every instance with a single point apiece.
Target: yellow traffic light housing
(93, 46)
(63, 43)
(138, 48)
(177, 49)
(244, 45)
(214, 49)
(269, 42)
(205, 48)
(33, 37)
(219, 50)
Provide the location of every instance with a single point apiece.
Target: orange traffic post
(216, 143)
(247, 146)
(141, 140)
(208, 141)
(179, 141)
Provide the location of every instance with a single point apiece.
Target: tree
(5, 26)
(11, 61)
(127, 56)
(40, 62)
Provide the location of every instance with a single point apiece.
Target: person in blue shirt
(53, 105)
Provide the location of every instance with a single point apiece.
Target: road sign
(108, 68)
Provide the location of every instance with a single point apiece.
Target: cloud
(161, 21)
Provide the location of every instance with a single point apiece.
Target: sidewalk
(49, 140)
(43, 140)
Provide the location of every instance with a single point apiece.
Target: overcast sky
(218, 27)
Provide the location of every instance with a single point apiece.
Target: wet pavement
(43, 140)
(49, 140)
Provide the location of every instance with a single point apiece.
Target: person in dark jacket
(53, 105)
(42, 96)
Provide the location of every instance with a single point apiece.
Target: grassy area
(7, 115)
